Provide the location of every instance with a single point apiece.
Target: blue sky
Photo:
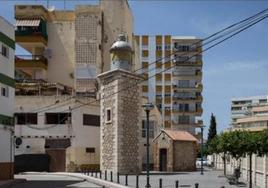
(236, 68)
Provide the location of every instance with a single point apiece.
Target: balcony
(182, 75)
(197, 124)
(31, 32)
(41, 87)
(198, 87)
(197, 112)
(30, 61)
(187, 63)
(187, 99)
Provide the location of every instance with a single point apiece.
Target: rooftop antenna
(47, 4)
(64, 1)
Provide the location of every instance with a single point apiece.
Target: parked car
(198, 162)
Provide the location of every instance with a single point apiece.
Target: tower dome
(121, 54)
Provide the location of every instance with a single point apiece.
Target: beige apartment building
(68, 49)
(177, 87)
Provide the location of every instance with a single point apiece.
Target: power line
(221, 41)
(251, 23)
(244, 21)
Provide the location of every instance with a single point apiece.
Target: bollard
(100, 174)
(118, 178)
(105, 175)
(160, 183)
(126, 180)
(222, 187)
(196, 185)
(111, 174)
(137, 181)
(177, 184)
(91, 173)
(96, 174)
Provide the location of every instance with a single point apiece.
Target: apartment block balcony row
(187, 63)
(31, 61)
(197, 124)
(177, 87)
(181, 75)
(31, 32)
(197, 112)
(41, 87)
(187, 99)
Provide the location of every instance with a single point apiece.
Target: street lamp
(147, 107)
(201, 149)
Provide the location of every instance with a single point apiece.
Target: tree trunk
(250, 170)
(224, 164)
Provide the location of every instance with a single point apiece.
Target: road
(52, 181)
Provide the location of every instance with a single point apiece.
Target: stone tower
(120, 112)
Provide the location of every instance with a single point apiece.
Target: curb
(90, 179)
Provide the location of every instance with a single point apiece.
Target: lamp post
(201, 149)
(147, 108)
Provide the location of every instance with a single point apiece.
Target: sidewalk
(10, 183)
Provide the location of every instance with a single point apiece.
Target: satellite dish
(51, 8)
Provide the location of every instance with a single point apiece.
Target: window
(263, 100)
(108, 115)
(184, 107)
(4, 91)
(5, 51)
(58, 118)
(90, 150)
(91, 120)
(151, 128)
(158, 47)
(26, 118)
(184, 119)
(167, 47)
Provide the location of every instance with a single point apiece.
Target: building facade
(67, 50)
(70, 47)
(7, 84)
(250, 114)
(177, 87)
(241, 107)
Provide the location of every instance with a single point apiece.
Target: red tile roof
(180, 135)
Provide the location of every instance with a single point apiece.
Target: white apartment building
(7, 84)
(241, 107)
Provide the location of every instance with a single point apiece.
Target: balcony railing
(182, 87)
(198, 98)
(32, 31)
(31, 61)
(181, 74)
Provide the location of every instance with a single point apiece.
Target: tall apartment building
(68, 48)
(7, 84)
(176, 89)
(241, 107)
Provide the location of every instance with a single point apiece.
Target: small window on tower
(108, 115)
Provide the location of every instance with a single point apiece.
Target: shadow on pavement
(47, 184)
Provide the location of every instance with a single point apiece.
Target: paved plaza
(210, 179)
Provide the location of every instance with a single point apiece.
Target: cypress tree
(212, 132)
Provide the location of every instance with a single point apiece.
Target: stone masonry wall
(129, 116)
(184, 156)
(108, 130)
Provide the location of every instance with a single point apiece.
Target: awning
(27, 22)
